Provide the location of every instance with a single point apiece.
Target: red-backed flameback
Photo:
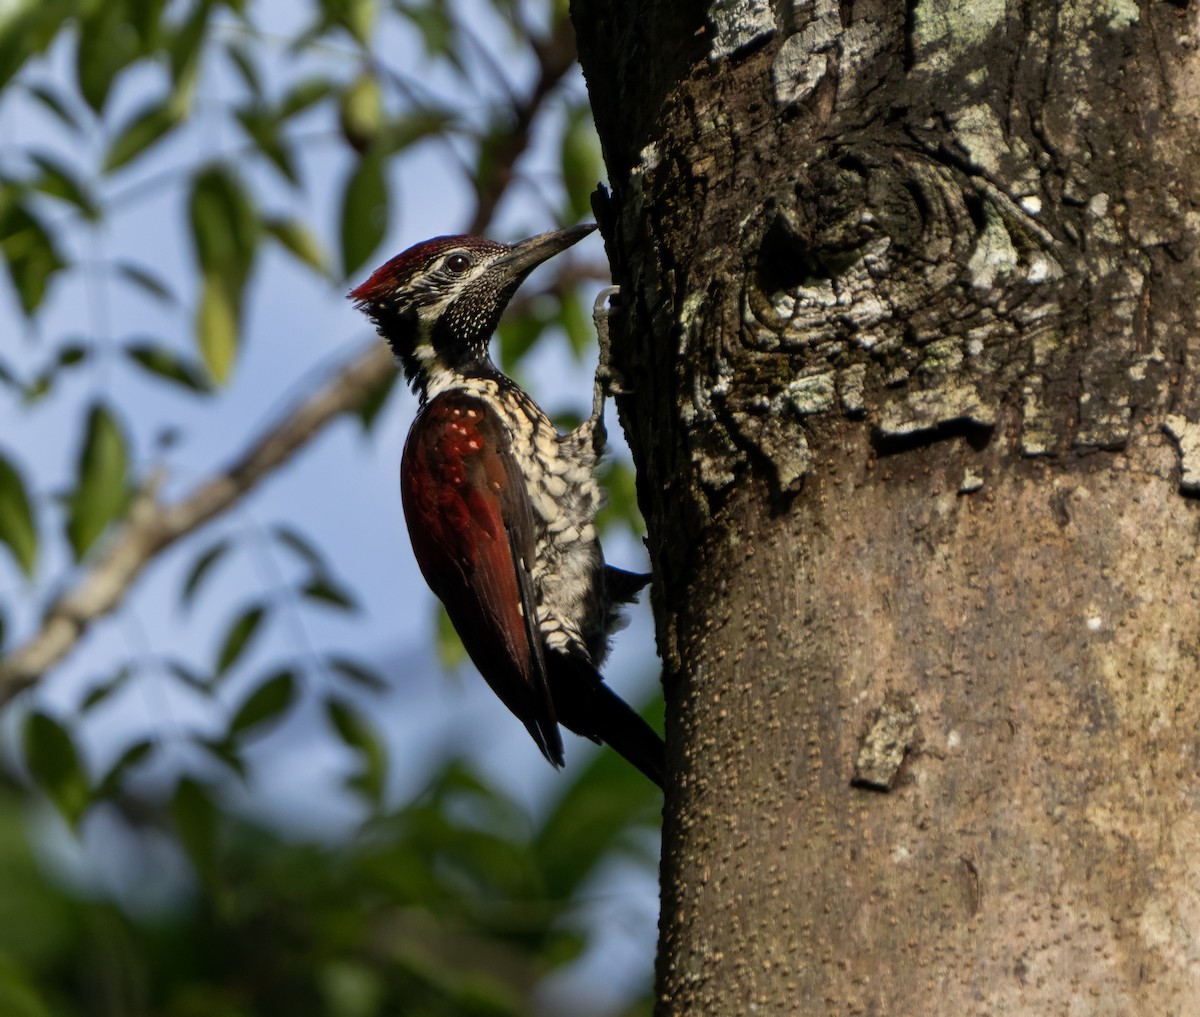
(500, 507)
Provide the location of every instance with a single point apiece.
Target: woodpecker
(500, 507)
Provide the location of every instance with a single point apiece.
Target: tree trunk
(907, 344)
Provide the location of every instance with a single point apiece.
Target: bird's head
(439, 302)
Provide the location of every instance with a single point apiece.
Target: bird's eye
(458, 263)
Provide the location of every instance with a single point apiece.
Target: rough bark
(909, 298)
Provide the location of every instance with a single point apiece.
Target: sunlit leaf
(186, 48)
(299, 239)
(266, 704)
(217, 328)
(60, 181)
(200, 569)
(19, 996)
(102, 483)
(54, 765)
(364, 212)
(168, 365)
(357, 16)
(142, 130)
(239, 638)
(358, 734)
(360, 112)
(225, 232)
(17, 529)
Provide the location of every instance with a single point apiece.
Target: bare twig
(556, 56)
(151, 526)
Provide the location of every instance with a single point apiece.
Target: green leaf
(17, 528)
(263, 127)
(295, 541)
(582, 165)
(102, 485)
(357, 673)
(364, 212)
(146, 16)
(239, 638)
(415, 125)
(217, 328)
(106, 46)
(449, 646)
(605, 806)
(186, 48)
(196, 820)
(225, 233)
(225, 751)
(50, 99)
(54, 765)
(29, 251)
(268, 703)
(360, 112)
(106, 689)
(28, 30)
(225, 225)
(375, 400)
(298, 238)
(168, 365)
(146, 127)
(110, 784)
(200, 570)
(59, 181)
(323, 590)
(192, 679)
(359, 735)
(357, 16)
(437, 29)
(241, 56)
(146, 281)
(19, 995)
(304, 94)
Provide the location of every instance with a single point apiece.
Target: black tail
(588, 707)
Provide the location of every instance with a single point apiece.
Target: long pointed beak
(526, 255)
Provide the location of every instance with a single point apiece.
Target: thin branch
(151, 526)
(556, 56)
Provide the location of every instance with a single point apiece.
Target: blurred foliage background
(186, 189)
